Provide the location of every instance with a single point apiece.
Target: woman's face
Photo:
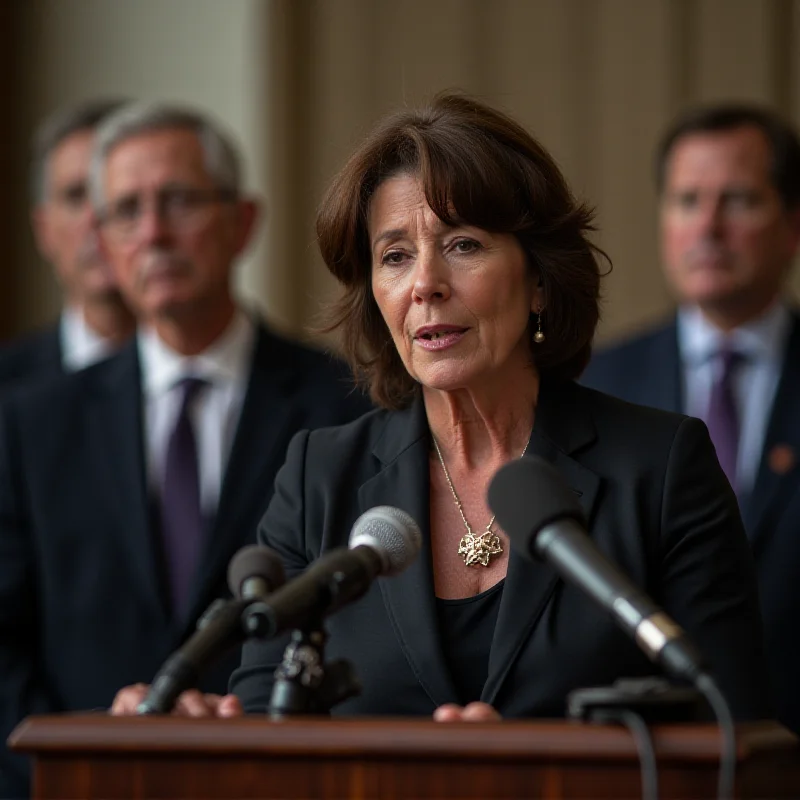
(456, 299)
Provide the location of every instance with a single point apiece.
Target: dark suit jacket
(647, 370)
(657, 503)
(34, 355)
(82, 604)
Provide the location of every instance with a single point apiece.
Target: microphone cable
(727, 758)
(645, 748)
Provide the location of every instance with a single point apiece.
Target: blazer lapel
(562, 426)
(403, 482)
(778, 475)
(120, 447)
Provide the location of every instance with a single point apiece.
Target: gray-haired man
(126, 488)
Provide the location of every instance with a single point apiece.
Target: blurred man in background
(95, 320)
(729, 183)
(126, 488)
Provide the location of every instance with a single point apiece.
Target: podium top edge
(364, 737)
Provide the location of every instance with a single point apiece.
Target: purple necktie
(722, 417)
(181, 514)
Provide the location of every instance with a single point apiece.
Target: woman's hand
(473, 712)
(190, 703)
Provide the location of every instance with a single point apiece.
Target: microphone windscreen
(255, 561)
(391, 533)
(528, 494)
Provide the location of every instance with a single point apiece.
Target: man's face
(63, 222)
(169, 233)
(727, 241)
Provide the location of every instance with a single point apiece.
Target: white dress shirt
(214, 412)
(80, 345)
(762, 343)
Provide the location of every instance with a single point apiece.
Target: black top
(466, 627)
(657, 503)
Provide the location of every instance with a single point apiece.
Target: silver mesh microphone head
(391, 533)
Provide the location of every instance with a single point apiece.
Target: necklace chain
(474, 548)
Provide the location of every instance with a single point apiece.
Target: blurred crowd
(141, 432)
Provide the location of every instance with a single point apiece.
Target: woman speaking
(470, 298)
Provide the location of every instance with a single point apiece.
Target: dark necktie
(722, 417)
(181, 513)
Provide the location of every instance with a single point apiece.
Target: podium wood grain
(97, 756)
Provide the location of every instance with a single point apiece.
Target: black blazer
(657, 503)
(647, 370)
(34, 355)
(83, 606)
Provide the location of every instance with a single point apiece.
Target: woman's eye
(392, 257)
(466, 246)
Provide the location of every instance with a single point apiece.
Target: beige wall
(208, 53)
(595, 80)
(299, 81)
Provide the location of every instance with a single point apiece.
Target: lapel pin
(781, 459)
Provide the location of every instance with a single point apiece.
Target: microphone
(383, 541)
(543, 519)
(253, 573)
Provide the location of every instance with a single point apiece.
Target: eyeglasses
(180, 207)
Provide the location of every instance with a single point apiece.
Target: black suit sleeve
(23, 689)
(282, 529)
(707, 577)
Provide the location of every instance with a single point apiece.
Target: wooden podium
(97, 756)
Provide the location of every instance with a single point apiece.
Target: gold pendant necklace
(475, 548)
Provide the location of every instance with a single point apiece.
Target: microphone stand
(304, 683)
(224, 624)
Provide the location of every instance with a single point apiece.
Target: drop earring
(539, 336)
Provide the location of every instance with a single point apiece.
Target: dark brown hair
(782, 139)
(477, 167)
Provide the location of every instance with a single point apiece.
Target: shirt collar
(80, 345)
(760, 339)
(226, 361)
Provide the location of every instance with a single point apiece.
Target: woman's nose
(431, 281)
